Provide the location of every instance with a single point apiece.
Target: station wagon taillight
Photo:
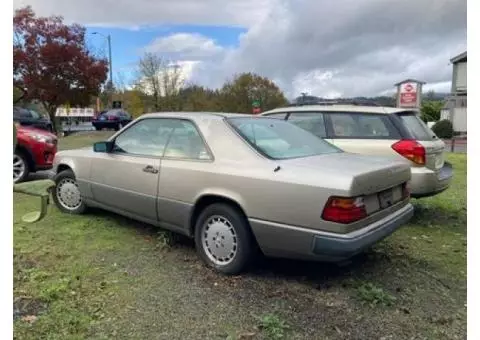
(344, 210)
(411, 150)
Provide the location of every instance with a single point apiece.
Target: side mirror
(103, 147)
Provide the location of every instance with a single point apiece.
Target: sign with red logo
(256, 110)
(408, 95)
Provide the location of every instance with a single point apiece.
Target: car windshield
(35, 114)
(277, 139)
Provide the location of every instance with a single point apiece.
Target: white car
(380, 131)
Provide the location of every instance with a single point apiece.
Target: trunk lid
(367, 174)
(380, 181)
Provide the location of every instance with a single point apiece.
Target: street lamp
(109, 40)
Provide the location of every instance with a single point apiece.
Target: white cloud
(181, 46)
(128, 13)
(327, 48)
(349, 47)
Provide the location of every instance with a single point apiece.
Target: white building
(457, 102)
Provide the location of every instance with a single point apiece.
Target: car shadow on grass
(370, 263)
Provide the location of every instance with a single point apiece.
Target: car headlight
(41, 138)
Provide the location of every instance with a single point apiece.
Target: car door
(187, 159)
(362, 132)
(126, 179)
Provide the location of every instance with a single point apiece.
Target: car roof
(194, 115)
(339, 108)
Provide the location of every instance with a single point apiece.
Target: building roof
(410, 80)
(459, 58)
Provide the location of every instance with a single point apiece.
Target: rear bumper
(426, 182)
(279, 240)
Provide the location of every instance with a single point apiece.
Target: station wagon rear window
(278, 139)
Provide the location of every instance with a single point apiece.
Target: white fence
(75, 112)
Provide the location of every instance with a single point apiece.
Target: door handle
(150, 169)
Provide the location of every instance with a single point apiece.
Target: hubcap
(68, 194)
(219, 240)
(18, 167)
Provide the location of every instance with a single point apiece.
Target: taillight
(344, 210)
(411, 150)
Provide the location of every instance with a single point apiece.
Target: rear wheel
(98, 128)
(67, 195)
(20, 167)
(223, 239)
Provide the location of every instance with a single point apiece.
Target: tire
(118, 126)
(20, 166)
(98, 128)
(228, 223)
(68, 202)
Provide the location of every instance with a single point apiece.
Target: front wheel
(223, 239)
(20, 167)
(67, 195)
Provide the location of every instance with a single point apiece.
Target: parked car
(237, 182)
(31, 118)
(112, 119)
(35, 151)
(381, 131)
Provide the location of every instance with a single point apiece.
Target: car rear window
(362, 125)
(278, 139)
(416, 126)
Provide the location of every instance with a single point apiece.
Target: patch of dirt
(27, 307)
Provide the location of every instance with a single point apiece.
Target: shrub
(443, 129)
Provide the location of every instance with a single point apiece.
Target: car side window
(343, 125)
(312, 122)
(148, 137)
(186, 143)
(362, 125)
(373, 126)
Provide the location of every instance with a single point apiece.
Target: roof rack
(338, 102)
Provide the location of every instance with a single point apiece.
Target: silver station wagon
(379, 131)
(238, 184)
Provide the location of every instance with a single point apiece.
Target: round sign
(408, 87)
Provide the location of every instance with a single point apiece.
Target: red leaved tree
(51, 63)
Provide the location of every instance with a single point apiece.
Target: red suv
(34, 152)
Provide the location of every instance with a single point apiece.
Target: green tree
(430, 110)
(239, 94)
(199, 98)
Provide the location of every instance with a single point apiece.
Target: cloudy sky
(323, 47)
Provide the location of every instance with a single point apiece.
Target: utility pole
(110, 82)
(109, 39)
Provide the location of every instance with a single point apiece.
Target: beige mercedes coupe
(238, 184)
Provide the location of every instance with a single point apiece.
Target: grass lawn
(101, 276)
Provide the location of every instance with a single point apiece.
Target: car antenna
(277, 168)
